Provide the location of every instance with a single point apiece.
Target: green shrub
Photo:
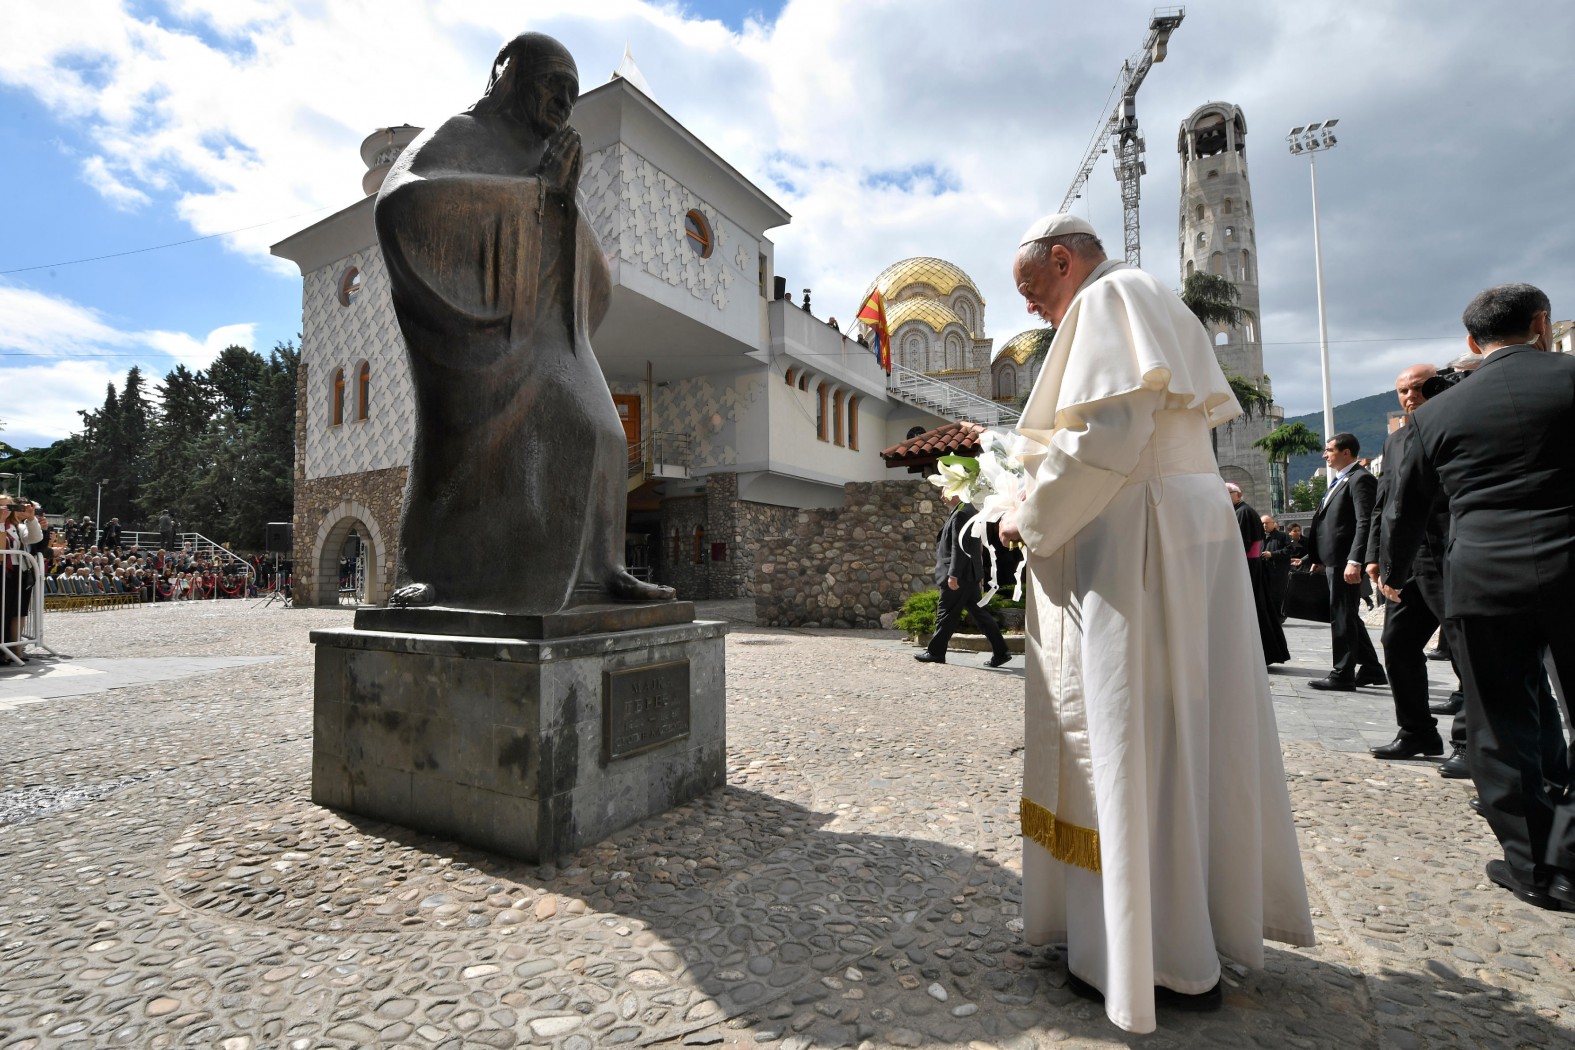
(918, 613)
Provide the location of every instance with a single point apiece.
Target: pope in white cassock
(1156, 823)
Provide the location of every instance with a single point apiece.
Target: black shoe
(1451, 706)
(1476, 806)
(1454, 767)
(1500, 873)
(927, 658)
(1344, 685)
(1437, 654)
(1199, 1003)
(1371, 676)
(998, 659)
(1562, 887)
(1407, 745)
(1082, 989)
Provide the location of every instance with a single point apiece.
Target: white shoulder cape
(1130, 333)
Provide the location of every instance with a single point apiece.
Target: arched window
(836, 417)
(913, 352)
(1246, 265)
(339, 396)
(789, 377)
(363, 389)
(1006, 383)
(964, 311)
(853, 423)
(1217, 263)
(820, 411)
(1221, 338)
(1197, 213)
(699, 545)
(1190, 267)
(954, 352)
(1227, 206)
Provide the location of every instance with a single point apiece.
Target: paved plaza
(168, 883)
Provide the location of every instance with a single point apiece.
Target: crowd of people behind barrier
(158, 575)
(94, 563)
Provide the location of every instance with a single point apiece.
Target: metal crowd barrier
(32, 632)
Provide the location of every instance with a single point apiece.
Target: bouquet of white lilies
(993, 483)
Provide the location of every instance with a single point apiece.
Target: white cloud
(194, 353)
(97, 174)
(44, 325)
(56, 357)
(42, 400)
(243, 111)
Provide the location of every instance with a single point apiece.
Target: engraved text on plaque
(644, 707)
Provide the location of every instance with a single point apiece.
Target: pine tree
(179, 450)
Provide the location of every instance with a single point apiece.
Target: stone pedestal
(530, 747)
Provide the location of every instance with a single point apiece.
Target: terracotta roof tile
(951, 439)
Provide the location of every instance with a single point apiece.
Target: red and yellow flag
(873, 313)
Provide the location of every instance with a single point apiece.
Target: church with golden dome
(935, 314)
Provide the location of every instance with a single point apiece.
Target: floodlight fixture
(1312, 137)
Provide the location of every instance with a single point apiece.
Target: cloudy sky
(153, 150)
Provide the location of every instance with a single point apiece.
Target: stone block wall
(844, 567)
(746, 531)
(675, 561)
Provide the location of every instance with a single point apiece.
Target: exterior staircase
(660, 455)
(944, 399)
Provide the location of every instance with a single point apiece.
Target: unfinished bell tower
(1217, 238)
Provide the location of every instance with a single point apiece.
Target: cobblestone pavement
(167, 882)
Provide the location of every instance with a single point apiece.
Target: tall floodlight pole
(98, 515)
(1310, 140)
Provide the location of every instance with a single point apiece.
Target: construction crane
(1119, 123)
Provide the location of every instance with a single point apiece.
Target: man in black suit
(1411, 621)
(1501, 447)
(1337, 540)
(959, 567)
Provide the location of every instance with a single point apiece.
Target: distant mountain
(1367, 418)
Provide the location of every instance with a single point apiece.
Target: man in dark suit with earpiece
(1501, 448)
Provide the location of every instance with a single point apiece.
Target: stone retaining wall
(845, 567)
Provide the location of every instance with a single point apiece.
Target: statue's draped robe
(1157, 826)
(516, 491)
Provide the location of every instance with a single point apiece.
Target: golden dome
(1022, 345)
(938, 277)
(932, 312)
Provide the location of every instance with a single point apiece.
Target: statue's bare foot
(623, 587)
(414, 594)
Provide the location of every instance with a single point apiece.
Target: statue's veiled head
(534, 81)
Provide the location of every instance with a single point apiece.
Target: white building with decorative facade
(741, 409)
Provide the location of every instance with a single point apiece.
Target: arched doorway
(348, 559)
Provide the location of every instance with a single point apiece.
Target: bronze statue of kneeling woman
(518, 480)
